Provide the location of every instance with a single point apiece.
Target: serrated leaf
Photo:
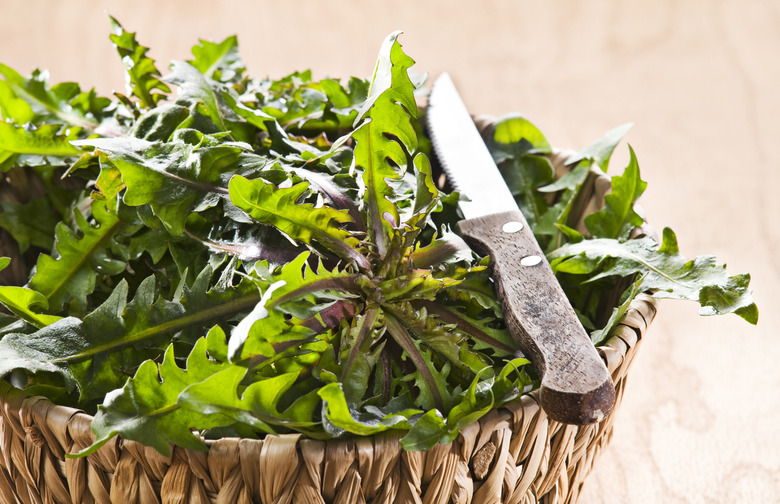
(264, 332)
(618, 216)
(143, 77)
(298, 280)
(449, 345)
(69, 275)
(303, 222)
(218, 61)
(482, 331)
(417, 284)
(146, 409)
(258, 405)
(175, 178)
(44, 140)
(384, 138)
(667, 274)
(102, 350)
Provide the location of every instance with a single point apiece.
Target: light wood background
(699, 78)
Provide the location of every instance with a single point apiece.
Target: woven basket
(514, 454)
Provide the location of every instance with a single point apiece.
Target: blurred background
(699, 422)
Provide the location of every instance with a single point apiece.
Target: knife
(576, 387)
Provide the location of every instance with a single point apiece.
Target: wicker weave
(512, 455)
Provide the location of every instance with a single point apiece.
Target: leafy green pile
(253, 256)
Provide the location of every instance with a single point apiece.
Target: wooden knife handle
(576, 387)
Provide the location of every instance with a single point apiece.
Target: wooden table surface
(701, 81)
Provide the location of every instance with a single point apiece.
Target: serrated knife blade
(576, 387)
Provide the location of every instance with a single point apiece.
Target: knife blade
(576, 387)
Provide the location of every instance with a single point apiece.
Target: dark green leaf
(175, 178)
(618, 217)
(32, 223)
(195, 88)
(69, 276)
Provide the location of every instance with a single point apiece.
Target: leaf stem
(200, 317)
(396, 328)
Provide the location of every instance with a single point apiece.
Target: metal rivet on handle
(531, 260)
(512, 227)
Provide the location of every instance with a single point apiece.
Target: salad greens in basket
(216, 255)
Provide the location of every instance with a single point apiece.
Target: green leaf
(159, 123)
(195, 88)
(116, 337)
(337, 412)
(618, 218)
(218, 61)
(600, 336)
(264, 332)
(44, 141)
(37, 352)
(32, 223)
(482, 331)
(143, 77)
(427, 431)
(514, 129)
(358, 362)
(431, 381)
(601, 150)
(49, 104)
(259, 405)
(300, 285)
(175, 178)
(146, 408)
(449, 345)
(21, 301)
(476, 401)
(69, 275)
(13, 108)
(384, 137)
(447, 248)
(280, 207)
(667, 274)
